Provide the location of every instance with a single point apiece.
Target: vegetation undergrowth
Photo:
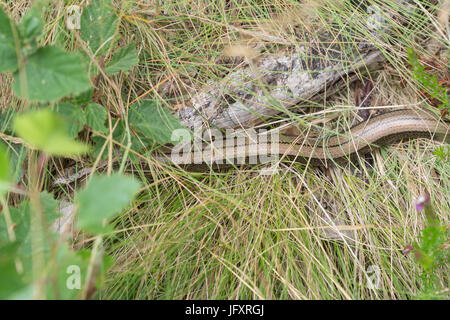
(108, 90)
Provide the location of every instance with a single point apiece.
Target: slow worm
(380, 130)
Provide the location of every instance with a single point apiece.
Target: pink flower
(422, 201)
(407, 249)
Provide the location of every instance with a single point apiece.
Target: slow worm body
(380, 130)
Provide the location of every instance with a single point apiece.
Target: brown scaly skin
(380, 130)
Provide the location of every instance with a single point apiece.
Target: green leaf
(51, 74)
(98, 143)
(30, 29)
(123, 60)
(12, 282)
(151, 120)
(70, 269)
(74, 117)
(4, 164)
(95, 117)
(8, 57)
(4, 170)
(17, 154)
(84, 97)
(103, 264)
(97, 26)
(46, 131)
(50, 207)
(31, 25)
(69, 265)
(21, 219)
(120, 136)
(103, 199)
